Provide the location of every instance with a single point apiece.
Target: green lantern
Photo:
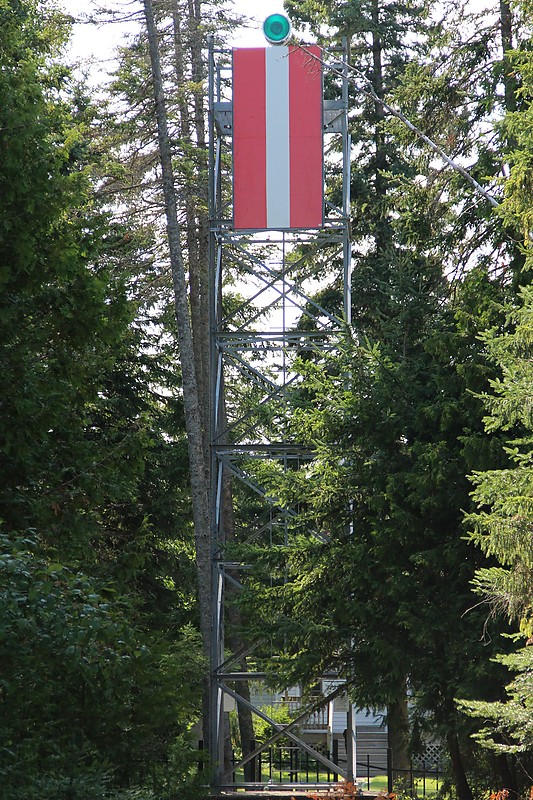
(277, 29)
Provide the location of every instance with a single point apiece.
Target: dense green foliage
(504, 497)
(395, 417)
(502, 528)
(502, 522)
(100, 656)
(97, 626)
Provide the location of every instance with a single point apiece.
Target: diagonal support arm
(285, 730)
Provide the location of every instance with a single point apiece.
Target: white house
(325, 729)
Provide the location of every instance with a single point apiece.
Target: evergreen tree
(181, 30)
(502, 529)
(393, 420)
(504, 497)
(501, 525)
(95, 573)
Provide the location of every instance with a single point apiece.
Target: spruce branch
(356, 77)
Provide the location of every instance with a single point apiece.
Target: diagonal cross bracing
(266, 314)
(287, 730)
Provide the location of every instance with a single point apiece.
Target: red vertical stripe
(249, 138)
(306, 140)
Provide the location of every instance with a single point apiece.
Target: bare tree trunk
(379, 111)
(193, 416)
(506, 31)
(195, 195)
(197, 229)
(193, 130)
(464, 792)
(398, 732)
(246, 727)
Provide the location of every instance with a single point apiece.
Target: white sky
(97, 42)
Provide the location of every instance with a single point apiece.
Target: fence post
(200, 759)
(335, 757)
(291, 764)
(251, 765)
(389, 770)
(368, 772)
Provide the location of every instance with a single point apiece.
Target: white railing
(316, 721)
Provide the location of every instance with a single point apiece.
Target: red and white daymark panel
(278, 152)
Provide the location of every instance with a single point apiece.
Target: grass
(377, 784)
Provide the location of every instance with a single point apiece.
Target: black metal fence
(421, 779)
(287, 763)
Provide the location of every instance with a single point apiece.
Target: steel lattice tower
(271, 317)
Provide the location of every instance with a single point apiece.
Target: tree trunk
(506, 32)
(246, 727)
(195, 196)
(398, 733)
(193, 416)
(507, 773)
(464, 792)
(379, 111)
(192, 123)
